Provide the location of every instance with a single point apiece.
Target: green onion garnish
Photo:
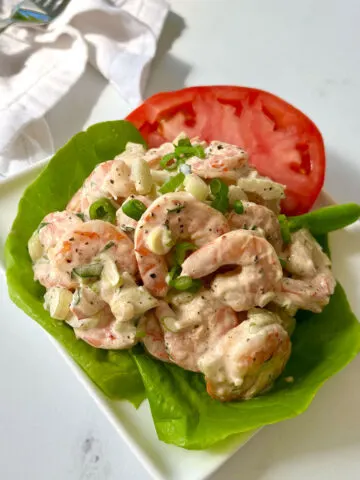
(185, 283)
(284, 228)
(81, 216)
(174, 272)
(172, 184)
(183, 151)
(282, 262)
(181, 250)
(93, 270)
(133, 208)
(184, 142)
(238, 207)
(176, 209)
(169, 161)
(220, 191)
(103, 209)
(107, 246)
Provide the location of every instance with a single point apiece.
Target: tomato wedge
(282, 142)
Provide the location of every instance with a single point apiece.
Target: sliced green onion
(169, 161)
(220, 191)
(107, 246)
(93, 270)
(238, 207)
(186, 283)
(133, 208)
(81, 216)
(195, 287)
(174, 273)
(220, 203)
(184, 142)
(182, 283)
(126, 229)
(199, 151)
(282, 262)
(181, 249)
(189, 152)
(172, 184)
(176, 209)
(284, 228)
(103, 209)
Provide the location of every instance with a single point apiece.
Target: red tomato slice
(282, 142)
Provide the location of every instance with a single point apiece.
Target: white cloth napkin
(38, 67)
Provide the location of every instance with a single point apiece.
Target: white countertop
(308, 53)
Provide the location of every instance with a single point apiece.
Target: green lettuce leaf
(185, 415)
(114, 372)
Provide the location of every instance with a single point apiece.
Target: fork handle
(4, 24)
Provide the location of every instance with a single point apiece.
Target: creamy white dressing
(235, 364)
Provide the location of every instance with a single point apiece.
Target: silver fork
(34, 13)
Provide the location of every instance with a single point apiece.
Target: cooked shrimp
(128, 224)
(154, 155)
(260, 219)
(84, 242)
(304, 256)
(172, 217)
(253, 284)
(50, 276)
(154, 337)
(54, 226)
(86, 303)
(313, 281)
(109, 179)
(91, 190)
(247, 359)
(309, 294)
(203, 320)
(222, 161)
(102, 331)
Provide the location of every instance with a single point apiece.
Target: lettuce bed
(183, 413)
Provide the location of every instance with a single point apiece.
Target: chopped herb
(107, 246)
(126, 229)
(176, 209)
(220, 191)
(81, 216)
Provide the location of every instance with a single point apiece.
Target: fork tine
(52, 7)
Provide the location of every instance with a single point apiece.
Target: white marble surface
(308, 54)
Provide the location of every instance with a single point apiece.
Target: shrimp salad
(183, 248)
